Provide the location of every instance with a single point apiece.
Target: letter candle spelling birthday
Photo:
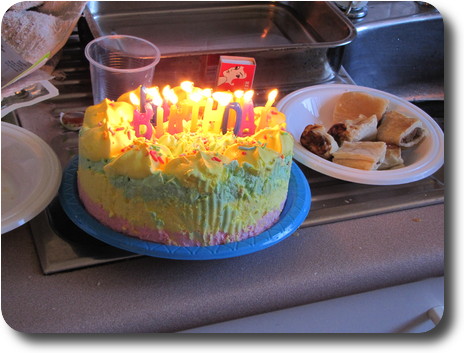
(142, 115)
(223, 99)
(238, 117)
(189, 108)
(263, 120)
(247, 126)
(157, 103)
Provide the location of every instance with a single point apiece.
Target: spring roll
(365, 155)
(393, 159)
(315, 139)
(401, 130)
(361, 129)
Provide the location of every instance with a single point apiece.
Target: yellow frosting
(276, 139)
(103, 142)
(113, 113)
(139, 160)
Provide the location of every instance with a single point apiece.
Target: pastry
(393, 159)
(365, 155)
(315, 139)
(401, 130)
(361, 129)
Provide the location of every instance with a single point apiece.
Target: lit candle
(247, 126)
(157, 102)
(196, 97)
(223, 99)
(263, 119)
(141, 121)
(187, 86)
(166, 93)
(159, 130)
(238, 117)
(239, 97)
(208, 111)
(175, 114)
(271, 98)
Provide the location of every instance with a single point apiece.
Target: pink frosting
(122, 225)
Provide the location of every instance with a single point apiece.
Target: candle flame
(169, 95)
(223, 98)
(207, 92)
(166, 91)
(239, 94)
(154, 95)
(134, 99)
(248, 96)
(272, 95)
(187, 86)
(196, 96)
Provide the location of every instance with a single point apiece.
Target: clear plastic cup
(120, 63)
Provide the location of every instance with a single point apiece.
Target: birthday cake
(185, 171)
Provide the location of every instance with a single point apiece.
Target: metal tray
(292, 42)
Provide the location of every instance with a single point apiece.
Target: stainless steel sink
(399, 49)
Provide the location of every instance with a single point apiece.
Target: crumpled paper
(34, 80)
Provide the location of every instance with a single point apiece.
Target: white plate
(31, 176)
(315, 105)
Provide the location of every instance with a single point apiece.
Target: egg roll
(393, 159)
(315, 139)
(364, 155)
(361, 129)
(401, 130)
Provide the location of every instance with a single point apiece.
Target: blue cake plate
(294, 213)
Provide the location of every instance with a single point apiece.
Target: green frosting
(232, 182)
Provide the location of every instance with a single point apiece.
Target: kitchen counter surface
(157, 295)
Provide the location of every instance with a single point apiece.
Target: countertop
(318, 262)
(156, 295)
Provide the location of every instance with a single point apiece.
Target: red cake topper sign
(235, 72)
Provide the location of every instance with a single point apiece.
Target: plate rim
(46, 188)
(388, 177)
(294, 216)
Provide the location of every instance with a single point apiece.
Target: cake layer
(233, 205)
(122, 225)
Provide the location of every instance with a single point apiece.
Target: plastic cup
(120, 63)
